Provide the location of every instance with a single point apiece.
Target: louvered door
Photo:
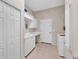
(1, 31)
(9, 32)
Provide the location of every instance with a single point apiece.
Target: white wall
(57, 14)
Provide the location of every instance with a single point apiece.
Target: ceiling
(38, 5)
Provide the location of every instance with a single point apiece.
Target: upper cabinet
(16, 3)
(32, 22)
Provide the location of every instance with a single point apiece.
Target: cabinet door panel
(1, 39)
(29, 45)
(1, 54)
(17, 31)
(1, 32)
(1, 9)
(13, 28)
(9, 32)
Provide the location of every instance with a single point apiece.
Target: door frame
(68, 20)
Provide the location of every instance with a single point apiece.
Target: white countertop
(31, 34)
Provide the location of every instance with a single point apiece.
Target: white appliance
(47, 31)
(29, 45)
(61, 45)
(29, 39)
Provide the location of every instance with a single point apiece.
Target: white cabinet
(29, 44)
(1, 32)
(9, 32)
(33, 24)
(13, 33)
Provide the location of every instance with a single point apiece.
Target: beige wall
(75, 28)
(57, 14)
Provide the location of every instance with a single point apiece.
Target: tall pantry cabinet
(10, 31)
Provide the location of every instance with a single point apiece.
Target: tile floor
(44, 51)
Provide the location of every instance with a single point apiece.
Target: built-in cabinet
(30, 20)
(30, 40)
(29, 44)
(9, 32)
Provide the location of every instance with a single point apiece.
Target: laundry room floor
(44, 51)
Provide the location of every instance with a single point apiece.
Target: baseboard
(30, 52)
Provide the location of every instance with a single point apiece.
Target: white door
(9, 32)
(13, 32)
(1, 32)
(46, 31)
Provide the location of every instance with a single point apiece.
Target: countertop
(31, 34)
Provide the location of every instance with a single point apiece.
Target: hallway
(44, 51)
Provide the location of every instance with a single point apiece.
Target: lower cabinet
(29, 45)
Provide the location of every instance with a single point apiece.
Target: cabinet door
(17, 33)
(9, 32)
(29, 45)
(1, 32)
(12, 31)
